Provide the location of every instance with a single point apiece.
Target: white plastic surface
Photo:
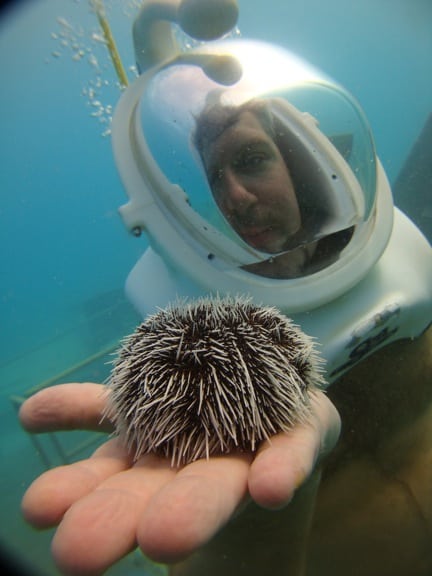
(392, 302)
(153, 37)
(190, 248)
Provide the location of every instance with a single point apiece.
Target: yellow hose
(109, 39)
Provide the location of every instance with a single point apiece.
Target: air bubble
(98, 38)
(78, 56)
(89, 44)
(63, 22)
(93, 61)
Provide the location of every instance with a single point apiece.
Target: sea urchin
(211, 376)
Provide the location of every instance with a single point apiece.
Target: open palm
(106, 505)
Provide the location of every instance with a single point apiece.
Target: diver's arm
(383, 456)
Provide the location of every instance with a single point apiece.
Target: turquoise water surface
(65, 253)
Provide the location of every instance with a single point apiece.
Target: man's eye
(249, 160)
(216, 176)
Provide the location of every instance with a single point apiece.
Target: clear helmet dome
(259, 162)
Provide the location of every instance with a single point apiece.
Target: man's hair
(216, 118)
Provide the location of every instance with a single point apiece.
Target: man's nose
(237, 197)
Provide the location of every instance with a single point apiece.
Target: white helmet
(343, 196)
(175, 134)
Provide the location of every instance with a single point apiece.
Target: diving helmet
(252, 172)
(253, 113)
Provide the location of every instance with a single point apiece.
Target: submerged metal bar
(111, 45)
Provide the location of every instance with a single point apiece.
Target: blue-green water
(65, 254)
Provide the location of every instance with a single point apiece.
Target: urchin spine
(211, 376)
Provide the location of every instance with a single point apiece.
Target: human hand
(107, 505)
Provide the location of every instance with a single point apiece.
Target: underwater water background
(64, 251)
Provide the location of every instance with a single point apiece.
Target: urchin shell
(211, 376)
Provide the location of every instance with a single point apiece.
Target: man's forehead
(232, 137)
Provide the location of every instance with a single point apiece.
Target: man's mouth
(256, 236)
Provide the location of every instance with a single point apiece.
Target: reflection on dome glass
(310, 131)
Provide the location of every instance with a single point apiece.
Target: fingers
(54, 492)
(101, 527)
(66, 407)
(189, 511)
(282, 465)
(169, 512)
(105, 507)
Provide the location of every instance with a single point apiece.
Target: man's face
(252, 186)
